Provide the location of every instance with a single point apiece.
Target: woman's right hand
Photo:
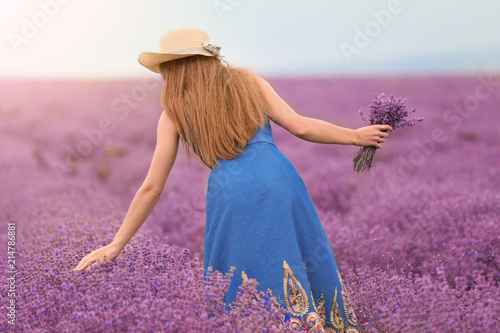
(101, 255)
(372, 135)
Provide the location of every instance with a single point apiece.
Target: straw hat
(179, 43)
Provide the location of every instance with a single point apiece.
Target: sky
(102, 39)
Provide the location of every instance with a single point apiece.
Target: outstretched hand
(103, 254)
(372, 135)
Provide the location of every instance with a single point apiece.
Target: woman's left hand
(103, 254)
(372, 135)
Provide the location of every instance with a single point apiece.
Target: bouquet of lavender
(385, 111)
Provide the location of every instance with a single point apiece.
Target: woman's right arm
(150, 191)
(146, 197)
(316, 130)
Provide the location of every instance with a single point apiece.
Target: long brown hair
(216, 108)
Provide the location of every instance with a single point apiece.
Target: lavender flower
(389, 111)
(423, 257)
(385, 111)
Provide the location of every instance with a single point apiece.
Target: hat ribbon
(212, 48)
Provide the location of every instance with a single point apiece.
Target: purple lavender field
(416, 238)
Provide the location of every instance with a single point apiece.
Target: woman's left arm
(146, 197)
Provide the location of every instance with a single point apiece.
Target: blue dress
(261, 220)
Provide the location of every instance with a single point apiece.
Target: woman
(259, 216)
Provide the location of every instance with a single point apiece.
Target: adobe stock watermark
(314, 261)
(221, 7)
(120, 109)
(371, 30)
(31, 25)
(454, 116)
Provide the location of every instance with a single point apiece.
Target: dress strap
(263, 134)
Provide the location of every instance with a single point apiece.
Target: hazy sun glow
(68, 38)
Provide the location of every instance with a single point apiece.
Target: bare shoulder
(280, 112)
(263, 85)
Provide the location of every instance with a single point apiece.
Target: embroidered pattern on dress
(297, 303)
(348, 308)
(244, 276)
(321, 308)
(335, 317)
(295, 296)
